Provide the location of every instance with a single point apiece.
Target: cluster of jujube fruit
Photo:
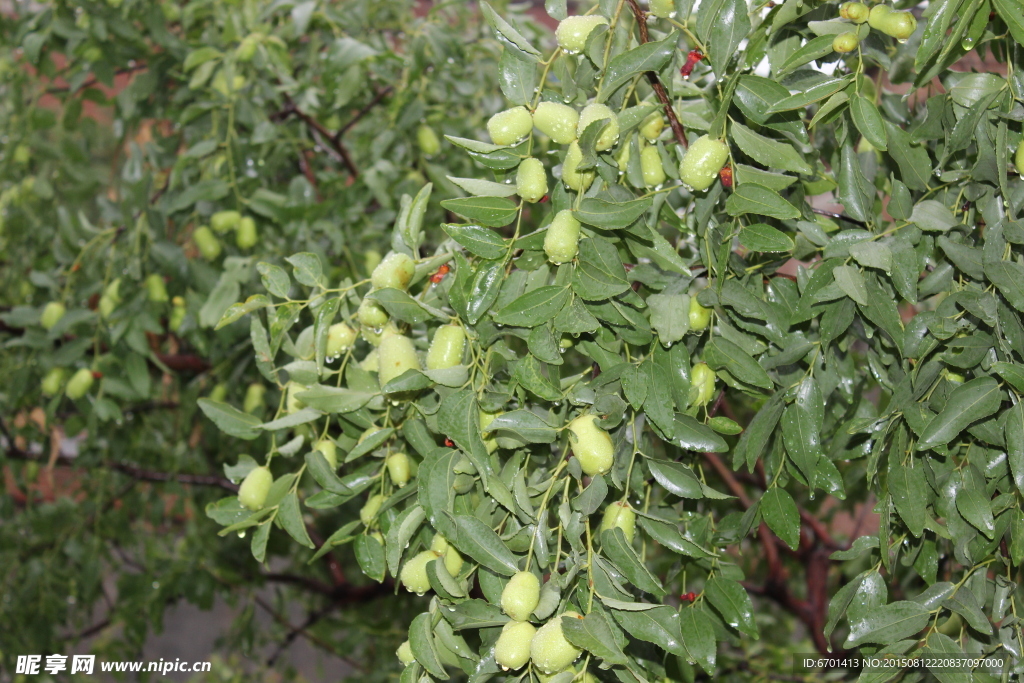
(897, 24)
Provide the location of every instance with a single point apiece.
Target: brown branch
(321, 135)
(93, 81)
(659, 89)
(381, 94)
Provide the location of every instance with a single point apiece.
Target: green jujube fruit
(557, 121)
(404, 653)
(512, 650)
(652, 126)
(368, 513)
(521, 595)
(878, 15)
(845, 42)
(246, 237)
(156, 290)
(490, 442)
(427, 140)
(663, 9)
(329, 450)
(562, 240)
(219, 393)
(79, 384)
(651, 167)
(592, 445)
(531, 180)
(453, 561)
(376, 335)
(600, 112)
(51, 315)
(207, 243)
(414, 574)
(899, 25)
(510, 126)
(246, 49)
(620, 514)
(572, 32)
(292, 403)
(439, 544)
(446, 348)
(340, 337)
(396, 270)
(575, 180)
(398, 468)
(253, 400)
(223, 221)
(252, 494)
(549, 650)
(702, 384)
(371, 314)
(52, 381)
(395, 355)
(702, 162)
(698, 316)
(857, 12)
(1018, 158)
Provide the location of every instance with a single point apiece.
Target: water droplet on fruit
(241, 534)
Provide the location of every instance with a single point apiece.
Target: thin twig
(659, 89)
(381, 94)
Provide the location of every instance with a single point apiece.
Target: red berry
(726, 176)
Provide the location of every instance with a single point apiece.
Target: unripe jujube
(521, 595)
(51, 315)
(252, 494)
(592, 446)
(572, 32)
(253, 400)
(156, 290)
(340, 337)
(575, 180)
(561, 242)
(651, 168)
(404, 653)
(414, 574)
(207, 243)
(427, 140)
(510, 126)
(702, 162)
(446, 348)
(702, 384)
(329, 450)
(395, 355)
(531, 180)
(1018, 158)
(79, 384)
(652, 126)
(620, 514)
(396, 270)
(550, 651)
(246, 237)
(439, 544)
(490, 442)
(453, 561)
(663, 9)
(600, 112)
(845, 42)
(878, 15)
(698, 316)
(513, 647)
(398, 468)
(223, 221)
(371, 314)
(368, 513)
(557, 121)
(857, 12)
(292, 403)
(899, 25)
(52, 381)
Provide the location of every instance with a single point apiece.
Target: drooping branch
(659, 89)
(381, 94)
(323, 137)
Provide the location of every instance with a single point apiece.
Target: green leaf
(370, 556)
(479, 541)
(668, 535)
(913, 160)
(887, 623)
(780, 513)
(733, 603)
(494, 212)
(616, 548)
(533, 308)
(965, 603)
(421, 640)
(652, 56)
(307, 269)
(290, 516)
(722, 25)
(401, 531)
(669, 316)
(909, 491)
(478, 240)
(230, 420)
(484, 188)
(720, 353)
(400, 305)
(767, 151)
(611, 215)
(815, 93)
(815, 48)
(868, 121)
(329, 399)
(676, 478)
(759, 200)
(517, 78)
(659, 625)
(1013, 374)
(851, 282)
(1013, 432)
(236, 311)
(764, 238)
(506, 31)
(801, 430)
(275, 279)
(526, 424)
(599, 274)
(855, 193)
(698, 636)
(1012, 12)
(930, 215)
(593, 634)
(474, 614)
(696, 436)
(969, 402)
(1008, 277)
(976, 508)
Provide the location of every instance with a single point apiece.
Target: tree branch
(321, 135)
(659, 89)
(381, 94)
